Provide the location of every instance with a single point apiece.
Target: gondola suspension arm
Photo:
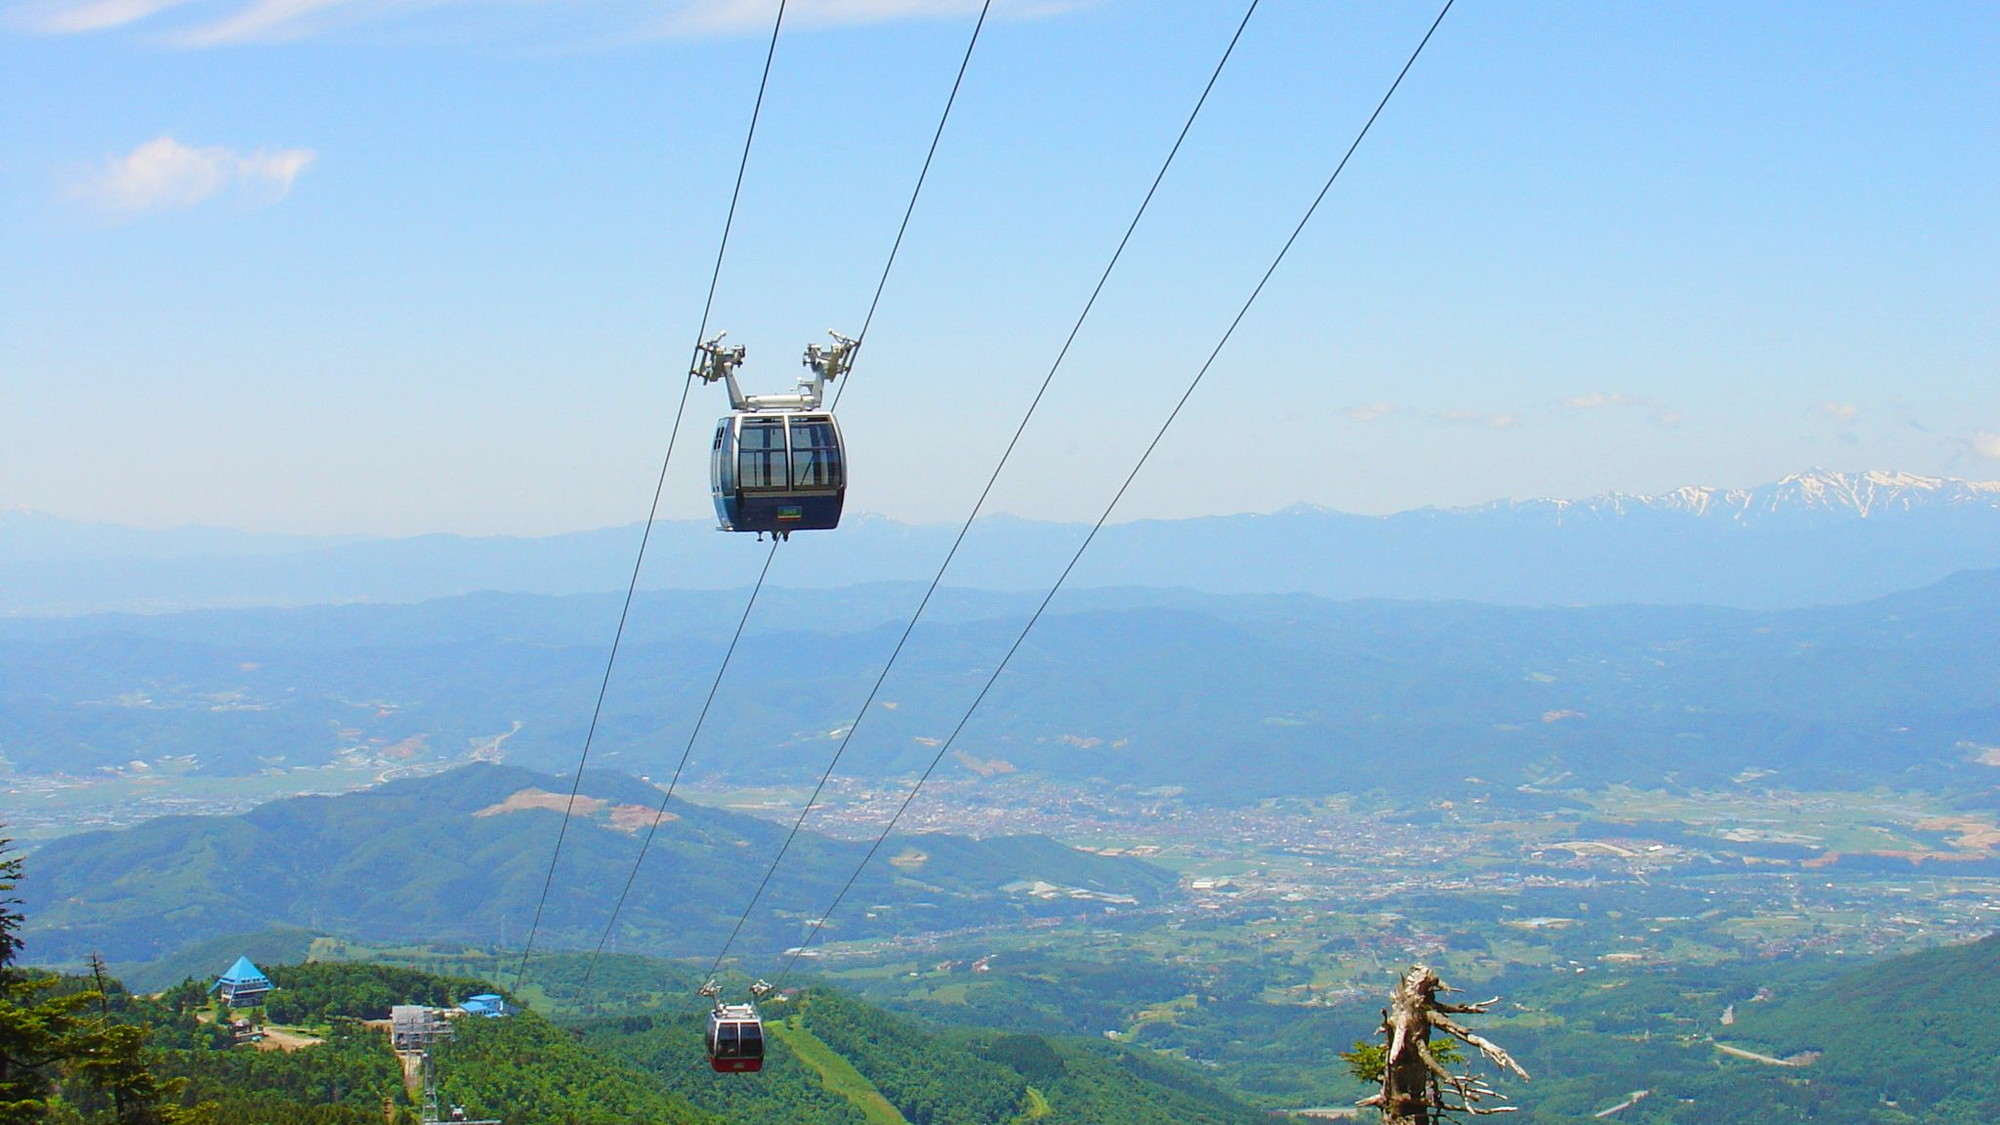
(716, 361)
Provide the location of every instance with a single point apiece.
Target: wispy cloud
(700, 16)
(75, 17)
(212, 23)
(164, 174)
(1986, 443)
(1502, 421)
(1369, 412)
(731, 16)
(206, 22)
(1376, 411)
(1598, 400)
(1653, 408)
(1842, 412)
(268, 21)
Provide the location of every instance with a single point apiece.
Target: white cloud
(1986, 443)
(710, 16)
(72, 17)
(745, 15)
(262, 21)
(1376, 411)
(1658, 411)
(164, 174)
(268, 21)
(1844, 412)
(1476, 418)
(219, 21)
(1597, 400)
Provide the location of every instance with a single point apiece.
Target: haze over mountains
(1236, 696)
(1183, 705)
(1812, 538)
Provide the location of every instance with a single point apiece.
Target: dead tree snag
(1417, 1088)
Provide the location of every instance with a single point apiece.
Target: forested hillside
(1896, 1043)
(1910, 1040)
(1905, 1041)
(451, 856)
(832, 1061)
(1899, 1042)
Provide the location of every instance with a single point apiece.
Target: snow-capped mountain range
(1820, 492)
(1812, 538)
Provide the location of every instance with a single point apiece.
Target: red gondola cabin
(735, 1039)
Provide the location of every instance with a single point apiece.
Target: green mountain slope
(833, 1060)
(456, 857)
(1904, 1041)
(1899, 1042)
(525, 1070)
(1912, 1039)
(788, 1091)
(850, 1053)
(836, 1074)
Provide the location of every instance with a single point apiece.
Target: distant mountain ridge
(1238, 696)
(1812, 538)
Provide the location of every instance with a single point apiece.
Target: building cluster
(414, 1027)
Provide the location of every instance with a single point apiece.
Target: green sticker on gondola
(791, 512)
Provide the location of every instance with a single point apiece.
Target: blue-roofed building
(486, 1004)
(243, 986)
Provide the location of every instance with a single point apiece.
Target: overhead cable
(660, 814)
(652, 512)
(923, 174)
(987, 491)
(945, 746)
(880, 284)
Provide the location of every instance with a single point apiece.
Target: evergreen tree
(116, 1066)
(40, 1028)
(53, 1045)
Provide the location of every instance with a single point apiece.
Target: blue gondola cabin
(777, 473)
(776, 465)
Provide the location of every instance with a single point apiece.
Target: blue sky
(394, 267)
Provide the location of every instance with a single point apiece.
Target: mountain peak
(1816, 491)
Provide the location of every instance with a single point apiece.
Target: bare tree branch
(1417, 1089)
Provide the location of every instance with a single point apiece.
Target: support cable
(987, 491)
(922, 175)
(882, 283)
(1160, 434)
(661, 813)
(652, 512)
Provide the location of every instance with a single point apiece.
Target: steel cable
(987, 491)
(881, 284)
(652, 512)
(661, 813)
(922, 175)
(1158, 435)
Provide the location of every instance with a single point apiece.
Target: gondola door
(735, 1039)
